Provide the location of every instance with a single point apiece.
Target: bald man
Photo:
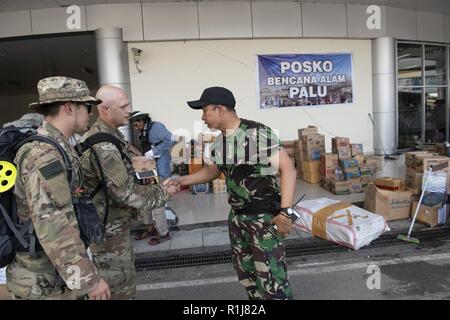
(114, 258)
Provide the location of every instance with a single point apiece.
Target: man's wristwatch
(289, 213)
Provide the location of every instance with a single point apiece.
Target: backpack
(12, 232)
(88, 145)
(20, 237)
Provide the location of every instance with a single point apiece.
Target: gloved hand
(149, 155)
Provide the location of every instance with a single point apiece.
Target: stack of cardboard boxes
(307, 152)
(345, 170)
(288, 145)
(417, 163)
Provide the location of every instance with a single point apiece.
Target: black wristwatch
(289, 213)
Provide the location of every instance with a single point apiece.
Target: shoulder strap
(56, 145)
(68, 166)
(103, 137)
(88, 144)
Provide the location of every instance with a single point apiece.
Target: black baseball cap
(214, 95)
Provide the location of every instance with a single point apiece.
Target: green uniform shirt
(243, 156)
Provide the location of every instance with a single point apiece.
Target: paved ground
(405, 271)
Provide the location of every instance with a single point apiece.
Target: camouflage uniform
(253, 192)
(114, 257)
(43, 193)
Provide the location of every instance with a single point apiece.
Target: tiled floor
(194, 209)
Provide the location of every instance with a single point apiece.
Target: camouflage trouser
(115, 263)
(35, 279)
(259, 257)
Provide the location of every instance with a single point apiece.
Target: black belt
(268, 207)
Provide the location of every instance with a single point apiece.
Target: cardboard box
(344, 153)
(195, 165)
(413, 180)
(360, 160)
(432, 148)
(393, 205)
(388, 183)
(432, 216)
(357, 149)
(325, 172)
(307, 131)
(366, 179)
(299, 157)
(329, 160)
(374, 161)
(366, 171)
(311, 177)
(339, 187)
(351, 173)
(348, 164)
(442, 149)
(312, 166)
(288, 144)
(313, 141)
(311, 171)
(356, 186)
(298, 145)
(410, 157)
(423, 163)
(299, 173)
(312, 154)
(338, 142)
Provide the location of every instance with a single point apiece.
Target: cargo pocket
(45, 287)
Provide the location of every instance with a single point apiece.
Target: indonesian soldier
(44, 194)
(250, 155)
(115, 257)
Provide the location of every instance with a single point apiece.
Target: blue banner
(295, 80)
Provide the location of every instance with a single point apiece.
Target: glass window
(435, 66)
(409, 117)
(435, 114)
(409, 61)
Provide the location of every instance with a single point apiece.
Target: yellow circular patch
(8, 173)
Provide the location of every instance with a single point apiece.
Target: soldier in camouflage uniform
(115, 258)
(249, 155)
(44, 194)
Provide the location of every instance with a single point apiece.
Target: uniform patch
(52, 170)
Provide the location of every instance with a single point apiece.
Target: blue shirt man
(156, 142)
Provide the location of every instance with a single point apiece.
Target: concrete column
(112, 62)
(384, 95)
